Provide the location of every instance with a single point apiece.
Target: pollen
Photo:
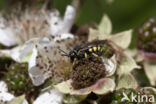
(94, 54)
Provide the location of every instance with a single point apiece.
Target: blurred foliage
(125, 14)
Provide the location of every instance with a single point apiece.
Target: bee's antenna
(65, 54)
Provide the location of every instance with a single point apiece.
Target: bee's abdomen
(95, 51)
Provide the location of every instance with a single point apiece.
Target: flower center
(87, 71)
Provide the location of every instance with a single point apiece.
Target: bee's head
(72, 54)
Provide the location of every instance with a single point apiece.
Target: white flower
(5, 96)
(51, 97)
(44, 58)
(32, 25)
(60, 25)
(43, 54)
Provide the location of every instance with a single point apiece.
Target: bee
(93, 49)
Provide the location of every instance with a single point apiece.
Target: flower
(34, 24)
(84, 70)
(43, 55)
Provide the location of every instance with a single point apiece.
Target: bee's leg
(94, 54)
(75, 59)
(86, 55)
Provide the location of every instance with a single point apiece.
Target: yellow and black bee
(95, 49)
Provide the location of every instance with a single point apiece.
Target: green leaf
(105, 26)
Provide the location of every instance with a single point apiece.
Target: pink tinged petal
(51, 97)
(104, 86)
(148, 55)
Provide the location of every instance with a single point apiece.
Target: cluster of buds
(146, 38)
(17, 78)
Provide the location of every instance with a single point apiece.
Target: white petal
(3, 87)
(64, 36)
(55, 23)
(14, 53)
(36, 74)
(5, 97)
(68, 19)
(51, 97)
(60, 26)
(45, 57)
(7, 37)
